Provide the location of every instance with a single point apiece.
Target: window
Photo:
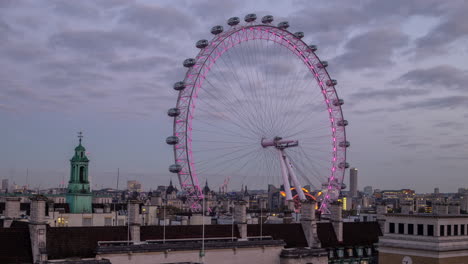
(430, 230)
(401, 228)
(420, 229)
(455, 230)
(359, 251)
(449, 230)
(462, 231)
(108, 221)
(442, 230)
(410, 229)
(81, 174)
(391, 228)
(340, 252)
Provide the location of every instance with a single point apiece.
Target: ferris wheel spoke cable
(242, 126)
(245, 116)
(314, 171)
(228, 163)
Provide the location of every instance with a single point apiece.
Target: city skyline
(107, 68)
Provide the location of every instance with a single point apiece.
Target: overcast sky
(106, 68)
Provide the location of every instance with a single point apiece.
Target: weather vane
(80, 136)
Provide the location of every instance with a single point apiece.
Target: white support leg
(294, 178)
(284, 171)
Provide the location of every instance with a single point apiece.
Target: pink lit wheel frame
(257, 81)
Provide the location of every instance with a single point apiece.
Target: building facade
(425, 239)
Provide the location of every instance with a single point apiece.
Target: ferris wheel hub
(279, 143)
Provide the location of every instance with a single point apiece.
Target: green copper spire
(79, 193)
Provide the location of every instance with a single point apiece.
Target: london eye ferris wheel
(258, 105)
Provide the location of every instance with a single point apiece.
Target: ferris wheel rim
(201, 68)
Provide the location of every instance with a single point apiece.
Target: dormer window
(340, 252)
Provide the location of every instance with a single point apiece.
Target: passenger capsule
(172, 140)
(250, 18)
(344, 144)
(283, 25)
(216, 30)
(338, 102)
(299, 35)
(343, 122)
(313, 47)
(201, 44)
(267, 19)
(233, 21)
(322, 64)
(343, 186)
(173, 112)
(179, 86)
(189, 62)
(332, 82)
(175, 168)
(343, 165)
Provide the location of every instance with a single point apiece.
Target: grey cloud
(5, 31)
(448, 102)
(23, 52)
(157, 18)
(329, 19)
(387, 94)
(63, 79)
(453, 28)
(413, 145)
(99, 43)
(142, 64)
(452, 145)
(76, 9)
(405, 8)
(449, 124)
(441, 76)
(371, 50)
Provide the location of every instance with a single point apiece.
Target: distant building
(368, 190)
(134, 186)
(5, 184)
(436, 191)
(353, 179)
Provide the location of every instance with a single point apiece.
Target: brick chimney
(309, 224)
(12, 210)
(240, 217)
(336, 218)
(134, 219)
(38, 228)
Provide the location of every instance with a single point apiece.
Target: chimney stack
(454, 209)
(336, 219)
(38, 228)
(240, 217)
(440, 209)
(381, 211)
(12, 210)
(406, 207)
(309, 224)
(134, 219)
